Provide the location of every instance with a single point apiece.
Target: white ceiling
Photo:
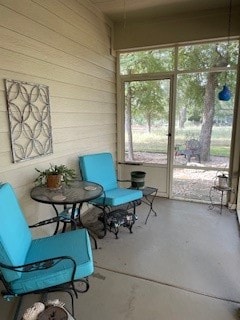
(135, 9)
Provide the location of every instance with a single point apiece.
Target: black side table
(149, 194)
(221, 190)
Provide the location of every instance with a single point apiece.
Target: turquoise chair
(116, 202)
(42, 265)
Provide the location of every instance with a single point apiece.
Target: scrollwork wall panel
(29, 119)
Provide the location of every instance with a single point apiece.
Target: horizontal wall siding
(65, 45)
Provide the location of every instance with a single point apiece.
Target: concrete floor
(184, 264)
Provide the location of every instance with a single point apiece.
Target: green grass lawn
(156, 141)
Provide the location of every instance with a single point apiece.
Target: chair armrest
(123, 183)
(52, 220)
(39, 265)
(132, 163)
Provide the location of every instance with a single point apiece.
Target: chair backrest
(193, 145)
(99, 168)
(15, 236)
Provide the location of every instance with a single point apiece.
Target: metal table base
(221, 190)
(149, 194)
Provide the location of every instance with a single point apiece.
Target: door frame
(124, 168)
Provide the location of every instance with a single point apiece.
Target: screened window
(147, 61)
(208, 55)
(201, 70)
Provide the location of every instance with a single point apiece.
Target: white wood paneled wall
(66, 45)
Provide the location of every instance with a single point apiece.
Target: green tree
(201, 93)
(148, 97)
(128, 117)
(149, 101)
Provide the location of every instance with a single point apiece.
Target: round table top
(77, 192)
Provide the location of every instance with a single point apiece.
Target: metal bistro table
(71, 197)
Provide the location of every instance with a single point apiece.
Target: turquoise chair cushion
(74, 244)
(99, 168)
(15, 236)
(118, 196)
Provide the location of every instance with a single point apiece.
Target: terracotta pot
(54, 181)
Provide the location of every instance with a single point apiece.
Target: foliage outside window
(149, 61)
(208, 55)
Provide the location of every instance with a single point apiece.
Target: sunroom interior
(73, 47)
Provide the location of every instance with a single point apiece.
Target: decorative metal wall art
(29, 119)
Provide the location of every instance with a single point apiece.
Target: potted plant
(54, 176)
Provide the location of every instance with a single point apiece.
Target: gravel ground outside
(192, 183)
